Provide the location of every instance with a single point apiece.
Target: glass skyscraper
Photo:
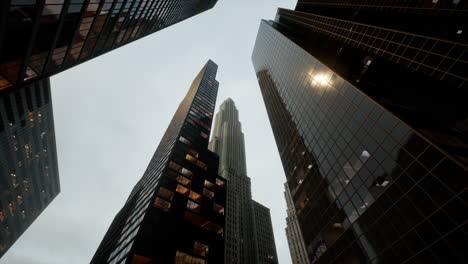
(246, 242)
(367, 102)
(29, 178)
(41, 38)
(175, 213)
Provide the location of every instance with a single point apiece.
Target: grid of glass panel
(435, 57)
(41, 39)
(366, 186)
(396, 5)
(28, 159)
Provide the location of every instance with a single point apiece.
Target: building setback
(29, 178)
(175, 213)
(296, 244)
(367, 102)
(242, 242)
(41, 38)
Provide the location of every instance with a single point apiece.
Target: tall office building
(28, 159)
(41, 38)
(241, 240)
(297, 248)
(175, 213)
(264, 237)
(367, 102)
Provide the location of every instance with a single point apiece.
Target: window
(186, 172)
(165, 193)
(137, 259)
(184, 258)
(220, 183)
(193, 206)
(181, 179)
(218, 208)
(212, 227)
(161, 204)
(195, 196)
(200, 249)
(208, 193)
(209, 185)
(182, 190)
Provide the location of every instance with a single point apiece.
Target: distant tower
(175, 213)
(367, 101)
(242, 242)
(296, 244)
(29, 179)
(41, 38)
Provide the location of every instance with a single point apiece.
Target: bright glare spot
(321, 79)
(365, 154)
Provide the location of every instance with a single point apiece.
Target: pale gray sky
(110, 114)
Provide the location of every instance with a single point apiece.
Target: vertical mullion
(67, 53)
(65, 6)
(91, 27)
(149, 10)
(32, 40)
(135, 21)
(127, 21)
(104, 25)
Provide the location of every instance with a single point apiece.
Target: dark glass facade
(41, 38)
(175, 213)
(265, 239)
(373, 146)
(29, 178)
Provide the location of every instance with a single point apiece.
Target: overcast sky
(110, 114)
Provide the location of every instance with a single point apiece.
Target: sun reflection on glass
(321, 79)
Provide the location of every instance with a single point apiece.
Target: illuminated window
(208, 193)
(186, 172)
(195, 196)
(165, 193)
(137, 259)
(220, 183)
(182, 190)
(193, 153)
(218, 208)
(193, 206)
(209, 185)
(175, 166)
(200, 249)
(160, 203)
(181, 179)
(190, 158)
(184, 258)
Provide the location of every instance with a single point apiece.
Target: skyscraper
(175, 213)
(242, 241)
(41, 38)
(264, 237)
(367, 104)
(28, 159)
(297, 248)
